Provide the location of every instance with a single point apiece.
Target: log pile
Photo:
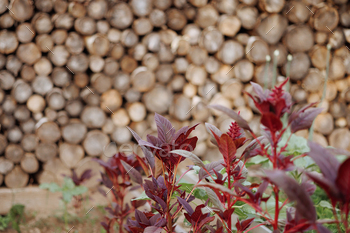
(74, 74)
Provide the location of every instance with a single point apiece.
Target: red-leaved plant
(224, 181)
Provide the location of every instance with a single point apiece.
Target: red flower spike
(235, 131)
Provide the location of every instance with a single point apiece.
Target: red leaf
(189, 144)
(183, 133)
(271, 121)
(132, 172)
(185, 205)
(327, 162)
(279, 106)
(226, 146)
(343, 179)
(325, 184)
(165, 130)
(304, 119)
(246, 223)
(205, 221)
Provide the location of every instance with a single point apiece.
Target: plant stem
(266, 75)
(65, 215)
(277, 208)
(289, 61)
(274, 77)
(324, 89)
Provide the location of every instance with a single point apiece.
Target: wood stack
(73, 74)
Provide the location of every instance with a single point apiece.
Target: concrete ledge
(36, 199)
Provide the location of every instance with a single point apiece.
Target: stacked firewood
(74, 74)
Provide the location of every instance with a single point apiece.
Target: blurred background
(74, 74)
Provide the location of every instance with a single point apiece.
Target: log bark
(59, 36)
(95, 142)
(136, 111)
(142, 79)
(150, 61)
(42, 85)
(43, 67)
(28, 126)
(3, 143)
(324, 123)
(74, 43)
(29, 142)
(97, 44)
(43, 24)
(7, 80)
(97, 9)
(336, 68)
(314, 80)
(70, 154)
(59, 55)
(74, 132)
(76, 9)
(176, 19)
(120, 16)
(142, 26)
(78, 63)
(17, 178)
(29, 163)
(299, 39)
(158, 18)
(46, 151)
(340, 138)
(58, 170)
(296, 12)
(230, 52)
(9, 42)
(14, 153)
(326, 16)
(121, 135)
(272, 28)
(158, 99)
(244, 70)
(196, 75)
(299, 66)
(337, 109)
(85, 26)
(14, 135)
(93, 117)
(36, 103)
(128, 64)
(5, 165)
(206, 16)
(248, 16)
(257, 50)
(22, 10)
(121, 118)
(25, 33)
(49, 132)
(132, 95)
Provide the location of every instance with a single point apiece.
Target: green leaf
(326, 204)
(200, 194)
(78, 190)
(67, 196)
(143, 196)
(297, 145)
(304, 162)
(52, 187)
(68, 184)
(257, 160)
(270, 208)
